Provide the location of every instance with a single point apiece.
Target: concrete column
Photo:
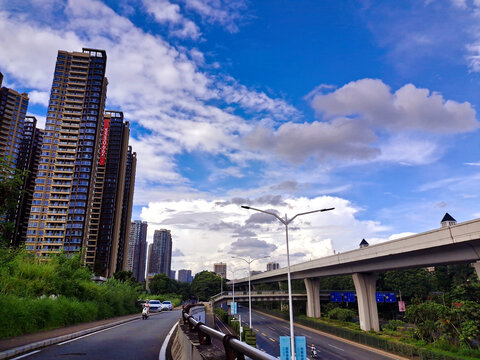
(313, 297)
(365, 285)
(476, 265)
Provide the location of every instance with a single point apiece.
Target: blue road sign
(336, 297)
(349, 297)
(300, 348)
(233, 307)
(284, 347)
(379, 297)
(390, 297)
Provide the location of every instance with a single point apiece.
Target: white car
(167, 305)
(155, 305)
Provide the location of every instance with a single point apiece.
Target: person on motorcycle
(314, 351)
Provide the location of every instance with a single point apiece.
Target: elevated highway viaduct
(454, 244)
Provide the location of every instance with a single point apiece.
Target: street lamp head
(327, 209)
(245, 207)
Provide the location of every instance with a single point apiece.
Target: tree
(11, 183)
(162, 284)
(205, 284)
(125, 276)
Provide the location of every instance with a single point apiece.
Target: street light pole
(287, 221)
(249, 261)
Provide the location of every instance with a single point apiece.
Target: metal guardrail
(234, 348)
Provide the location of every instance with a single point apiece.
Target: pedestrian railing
(234, 348)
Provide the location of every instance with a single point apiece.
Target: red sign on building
(104, 144)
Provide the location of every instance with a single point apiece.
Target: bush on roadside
(341, 314)
(393, 325)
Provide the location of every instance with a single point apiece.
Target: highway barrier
(234, 348)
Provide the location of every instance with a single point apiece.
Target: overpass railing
(234, 348)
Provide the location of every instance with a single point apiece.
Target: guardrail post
(203, 339)
(230, 353)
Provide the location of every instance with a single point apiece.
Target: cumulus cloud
(227, 13)
(166, 12)
(408, 108)
(203, 229)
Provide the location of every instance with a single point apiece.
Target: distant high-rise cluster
(78, 193)
(185, 275)
(220, 269)
(160, 253)
(137, 249)
(272, 266)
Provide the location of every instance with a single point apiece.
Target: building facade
(160, 256)
(185, 275)
(220, 269)
(17, 135)
(137, 249)
(64, 186)
(272, 266)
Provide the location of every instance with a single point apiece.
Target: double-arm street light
(285, 222)
(249, 261)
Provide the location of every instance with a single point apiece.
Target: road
(137, 339)
(270, 329)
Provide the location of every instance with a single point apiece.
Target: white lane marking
(335, 347)
(162, 355)
(96, 332)
(25, 355)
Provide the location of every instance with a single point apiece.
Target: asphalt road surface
(137, 339)
(269, 330)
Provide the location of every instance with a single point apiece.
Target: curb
(52, 341)
(162, 355)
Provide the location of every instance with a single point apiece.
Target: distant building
(160, 257)
(448, 220)
(220, 269)
(185, 275)
(172, 274)
(273, 266)
(255, 272)
(137, 249)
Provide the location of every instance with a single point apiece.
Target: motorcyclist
(314, 351)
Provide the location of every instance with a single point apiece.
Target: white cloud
(473, 164)
(409, 151)
(227, 13)
(408, 108)
(39, 97)
(165, 12)
(158, 85)
(211, 230)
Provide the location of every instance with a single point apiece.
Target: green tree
(205, 284)
(412, 282)
(125, 276)
(162, 284)
(11, 183)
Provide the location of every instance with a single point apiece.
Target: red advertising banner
(401, 306)
(104, 144)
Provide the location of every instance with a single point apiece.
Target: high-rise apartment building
(16, 149)
(28, 160)
(137, 249)
(67, 171)
(220, 269)
(185, 275)
(273, 266)
(172, 274)
(13, 108)
(116, 190)
(160, 256)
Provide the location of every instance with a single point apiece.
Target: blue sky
(366, 106)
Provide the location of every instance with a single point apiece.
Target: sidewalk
(27, 339)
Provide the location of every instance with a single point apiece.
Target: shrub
(393, 325)
(341, 314)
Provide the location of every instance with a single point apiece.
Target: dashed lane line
(335, 347)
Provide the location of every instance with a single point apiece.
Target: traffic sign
(379, 297)
(390, 297)
(336, 297)
(300, 348)
(349, 297)
(284, 347)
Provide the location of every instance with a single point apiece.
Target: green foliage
(341, 314)
(162, 284)
(459, 324)
(222, 314)
(393, 325)
(411, 283)
(11, 181)
(39, 295)
(205, 284)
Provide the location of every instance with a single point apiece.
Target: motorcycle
(314, 354)
(145, 313)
